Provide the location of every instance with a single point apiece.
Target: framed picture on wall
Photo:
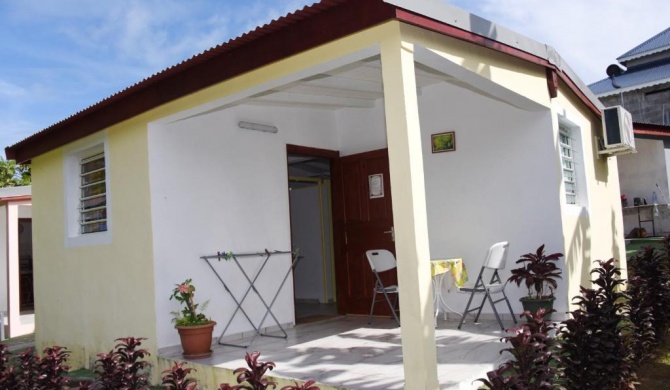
(376, 185)
(443, 142)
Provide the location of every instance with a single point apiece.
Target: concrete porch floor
(347, 353)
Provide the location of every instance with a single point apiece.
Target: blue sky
(59, 57)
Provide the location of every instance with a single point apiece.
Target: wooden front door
(363, 220)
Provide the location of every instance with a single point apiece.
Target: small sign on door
(376, 185)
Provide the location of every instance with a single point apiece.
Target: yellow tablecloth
(455, 266)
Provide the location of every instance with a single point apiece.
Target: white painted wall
(500, 184)
(3, 259)
(638, 175)
(361, 130)
(216, 187)
(23, 212)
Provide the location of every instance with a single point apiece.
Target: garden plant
(613, 331)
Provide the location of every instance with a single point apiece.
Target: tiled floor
(347, 352)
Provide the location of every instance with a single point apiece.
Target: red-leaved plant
(123, 367)
(32, 372)
(175, 378)
(253, 376)
(534, 361)
(539, 273)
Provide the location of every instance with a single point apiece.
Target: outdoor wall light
(258, 127)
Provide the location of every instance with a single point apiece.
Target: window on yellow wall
(93, 195)
(568, 164)
(88, 198)
(572, 163)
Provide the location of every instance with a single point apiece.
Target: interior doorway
(312, 233)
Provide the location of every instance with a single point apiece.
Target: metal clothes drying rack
(268, 308)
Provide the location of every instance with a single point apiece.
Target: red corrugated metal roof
(289, 35)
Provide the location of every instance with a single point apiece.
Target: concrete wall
(642, 174)
(648, 105)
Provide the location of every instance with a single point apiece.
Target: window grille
(93, 195)
(566, 145)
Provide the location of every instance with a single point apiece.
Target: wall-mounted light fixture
(258, 127)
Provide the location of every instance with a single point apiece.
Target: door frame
(332, 156)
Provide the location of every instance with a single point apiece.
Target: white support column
(13, 272)
(409, 214)
(16, 327)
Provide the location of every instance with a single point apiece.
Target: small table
(438, 269)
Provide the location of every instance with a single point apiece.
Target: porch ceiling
(356, 85)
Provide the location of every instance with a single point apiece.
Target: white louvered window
(93, 195)
(568, 162)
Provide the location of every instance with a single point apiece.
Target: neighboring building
(643, 88)
(132, 191)
(16, 262)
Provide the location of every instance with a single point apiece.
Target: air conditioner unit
(618, 131)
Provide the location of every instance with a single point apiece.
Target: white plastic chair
(495, 261)
(380, 261)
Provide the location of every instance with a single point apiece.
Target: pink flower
(184, 289)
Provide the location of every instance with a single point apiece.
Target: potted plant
(194, 327)
(539, 273)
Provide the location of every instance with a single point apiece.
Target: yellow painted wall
(597, 234)
(88, 296)
(517, 75)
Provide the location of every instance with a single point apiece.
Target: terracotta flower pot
(196, 341)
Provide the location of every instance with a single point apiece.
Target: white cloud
(589, 35)
(10, 90)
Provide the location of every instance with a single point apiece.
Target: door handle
(392, 233)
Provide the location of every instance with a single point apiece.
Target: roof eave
(633, 87)
(624, 59)
(506, 41)
(305, 29)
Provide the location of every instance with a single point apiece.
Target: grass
(655, 375)
(633, 245)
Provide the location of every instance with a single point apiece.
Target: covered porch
(347, 353)
(388, 89)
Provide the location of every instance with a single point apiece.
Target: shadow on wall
(579, 249)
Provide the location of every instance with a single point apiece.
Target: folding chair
(382, 260)
(495, 261)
